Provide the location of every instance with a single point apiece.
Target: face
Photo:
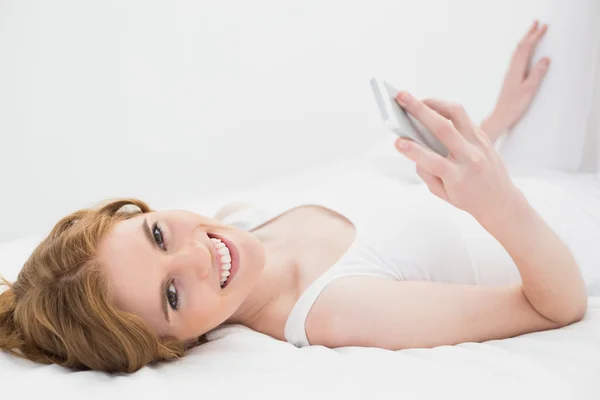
(164, 267)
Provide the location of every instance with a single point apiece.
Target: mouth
(228, 259)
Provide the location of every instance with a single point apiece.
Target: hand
(520, 85)
(472, 177)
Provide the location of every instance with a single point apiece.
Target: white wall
(166, 100)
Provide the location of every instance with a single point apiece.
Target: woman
(115, 289)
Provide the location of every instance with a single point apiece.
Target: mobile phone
(399, 121)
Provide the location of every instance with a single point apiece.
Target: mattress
(238, 362)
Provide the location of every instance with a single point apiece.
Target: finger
(425, 159)
(459, 117)
(434, 183)
(518, 63)
(454, 112)
(438, 125)
(534, 39)
(522, 55)
(538, 34)
(533, 27)
(537, 74)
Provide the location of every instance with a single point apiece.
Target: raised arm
(474, 179)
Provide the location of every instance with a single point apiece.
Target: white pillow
(384, 157)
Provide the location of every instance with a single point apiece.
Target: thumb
(537, 74)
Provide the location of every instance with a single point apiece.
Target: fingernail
(545, 62)
(403, 144)
(403, 98)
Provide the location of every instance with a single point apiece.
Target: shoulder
(331, 312)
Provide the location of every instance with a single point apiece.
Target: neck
(271, 283)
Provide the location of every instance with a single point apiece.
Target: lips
(216, 257)
(234, 258)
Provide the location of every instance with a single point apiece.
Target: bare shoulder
(229, 209)
(331, 309)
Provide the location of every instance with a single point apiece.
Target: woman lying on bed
(115, 289)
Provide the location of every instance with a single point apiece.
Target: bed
(237, 361)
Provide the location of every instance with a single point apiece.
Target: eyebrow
(163, 284)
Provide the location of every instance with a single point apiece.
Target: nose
(194, 259)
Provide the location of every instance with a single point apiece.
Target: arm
(494, 127)
(397, 315)
(519, 87)
(551, 280)
(550, 296)
(474, 179)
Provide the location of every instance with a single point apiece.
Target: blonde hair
(59, 309)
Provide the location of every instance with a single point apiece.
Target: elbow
(573, 312)
(579, 310)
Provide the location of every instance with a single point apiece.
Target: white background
(168, 100)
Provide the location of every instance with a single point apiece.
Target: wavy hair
(59, 310)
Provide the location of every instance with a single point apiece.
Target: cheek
(201, 309)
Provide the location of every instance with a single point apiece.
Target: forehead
(116, 245)
(132, 267)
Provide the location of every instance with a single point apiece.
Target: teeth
(225, 259)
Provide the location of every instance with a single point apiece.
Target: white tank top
(403, 232)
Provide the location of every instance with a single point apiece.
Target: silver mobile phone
(399, 121)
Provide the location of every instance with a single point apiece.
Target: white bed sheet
(241, 363)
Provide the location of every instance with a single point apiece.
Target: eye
(158, 235)
(172, 297)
